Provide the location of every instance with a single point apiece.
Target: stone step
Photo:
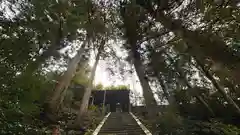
(130, 132)
(121, 124)
(121, 133)
(128, 129)
(122, 128)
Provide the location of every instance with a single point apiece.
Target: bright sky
(104, 77)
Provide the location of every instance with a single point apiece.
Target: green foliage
(118, 87)
(212, 128)
(81, 76)
(99, 86)
(93, 108)
(93, 118)
(78, 93)
(207, 31)
(21, 107)
(170, 123)
(112, 87)
(80, 80)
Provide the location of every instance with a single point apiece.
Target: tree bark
(147, 91)
(88, 91)
(169, 97)
(61, 87)
(130, 19)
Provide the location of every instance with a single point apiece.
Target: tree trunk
(132, 34)
(88, 91)
(218, 86)
(169, 97)
(61, 87)
(155, 57)
(147, 91)
(211, 45)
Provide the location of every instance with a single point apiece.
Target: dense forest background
(185, 53)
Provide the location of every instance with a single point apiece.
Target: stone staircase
(121, 123)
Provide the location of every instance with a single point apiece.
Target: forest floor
(90, 122)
